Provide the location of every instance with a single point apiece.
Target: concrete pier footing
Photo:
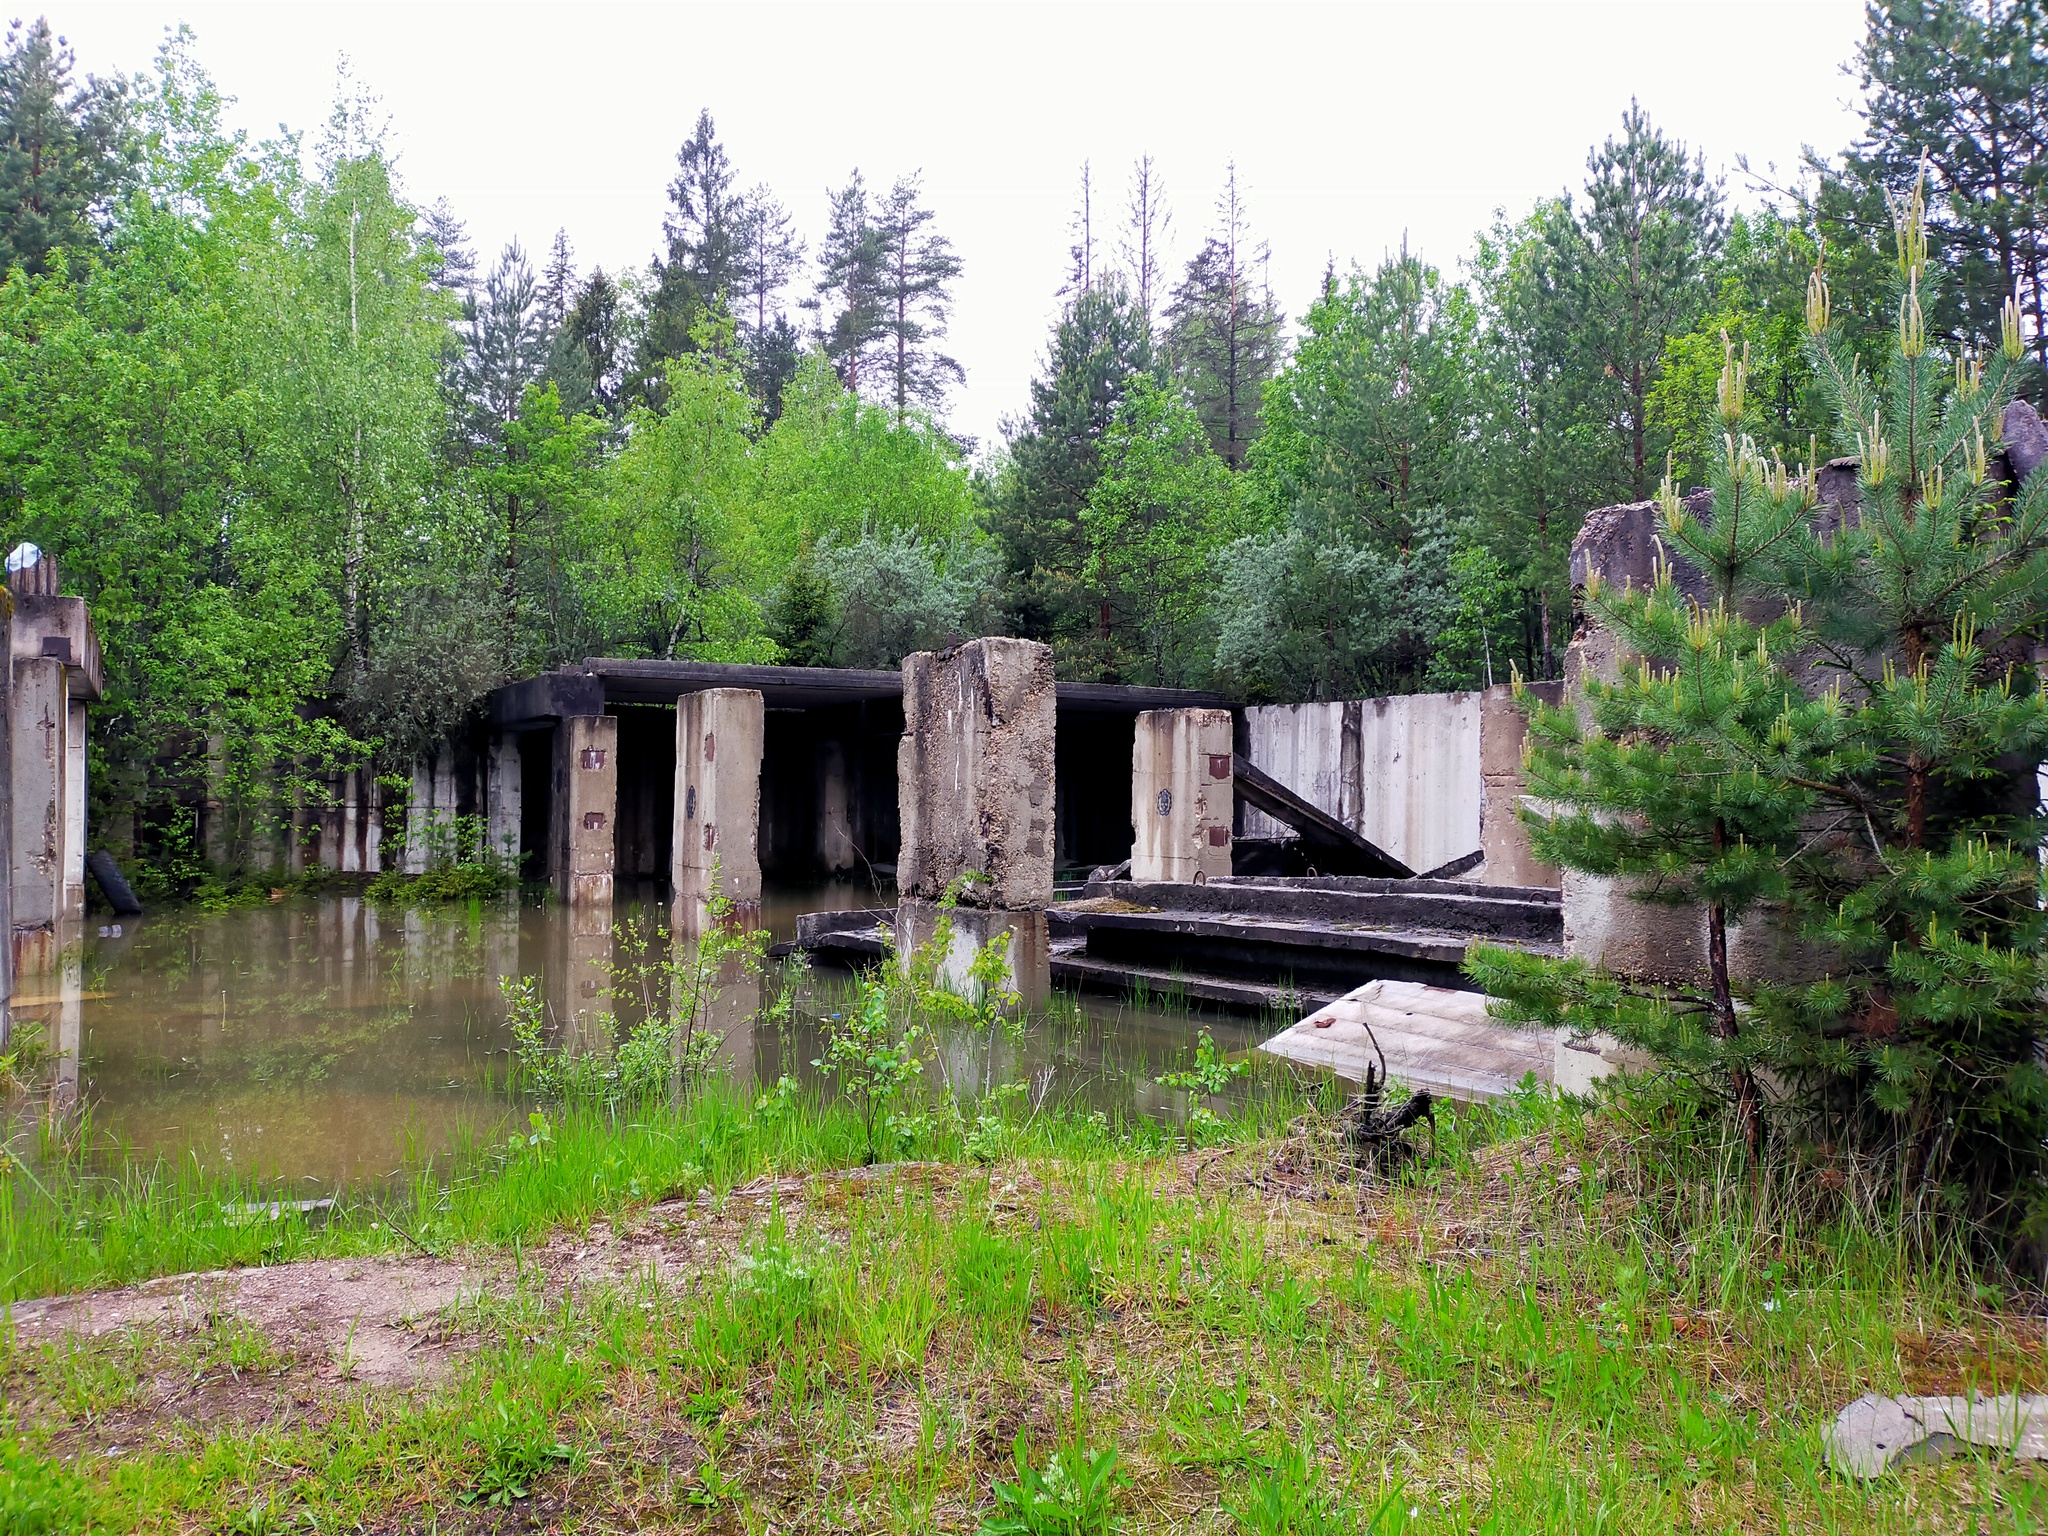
(974, 781)
(716, 848)
(1181, 795)
(586, 795)
(1026, 947)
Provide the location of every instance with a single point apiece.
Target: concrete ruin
(1181, 800)
(975, 788)
(585, 798)
(57, 673)
(717, 839)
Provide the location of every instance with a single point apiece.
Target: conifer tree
(772, 252)
(916, 277)
(558, 282)
(1223, 330)
(65, 149)
(1832, 726)
(700, 264)
(1142, 245)
(850, 284)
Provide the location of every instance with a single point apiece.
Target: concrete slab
(1432, 1037)
(1874, 1434)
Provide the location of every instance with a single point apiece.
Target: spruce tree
(65, 149)
(772, 252)
(1223, 330)
(853, 324)
(558, 282)
(1830, 726)
(701, 262)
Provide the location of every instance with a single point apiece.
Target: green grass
(1558, 1324)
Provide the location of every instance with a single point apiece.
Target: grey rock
(2026, 439)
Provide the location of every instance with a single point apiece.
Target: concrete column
(6, 824)
(40, 713)
(74, 810)
(835, 809)
(974, 784)
(1182, 794)
(586, 782)
(214, 811)
(349, 851)
(1502, 837)
(719, 736)
(371, 830)
(502, 797)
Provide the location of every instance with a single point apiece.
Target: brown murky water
(335, 1040)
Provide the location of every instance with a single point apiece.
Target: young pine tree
(1836, 733)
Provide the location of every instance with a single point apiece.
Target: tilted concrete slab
(1432, 1038)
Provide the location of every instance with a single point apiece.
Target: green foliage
(1074, 1495)
(66, 150)
(1161, 507)
(1823, 739)
(516, 1444)
(37, 1497)
(1210, 1074)
(872, 1059)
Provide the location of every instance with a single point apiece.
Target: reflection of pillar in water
(351, 912)
(70, 1035)
(581, 998)
(501, 942)
(723, 1001)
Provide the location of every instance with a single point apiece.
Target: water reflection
(330, 1039)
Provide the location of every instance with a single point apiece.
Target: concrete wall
(1403, 772)
(1181, 794)
(1502, 730)
(41, 719)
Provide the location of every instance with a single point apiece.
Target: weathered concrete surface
(1432, 1038)
(1181, 799)
(1502, 836)
(716, 849)
(586, 795)
(73, 905)
(6, 833)
(430, 812)
(1027, 949)
(503, 796)
(974, 774)
(1873, 1434)
(836, 848)
(41, 717)
(352, 824)
(1402, 772)
(2024, 438)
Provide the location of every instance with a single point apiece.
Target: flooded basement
(331, 1040)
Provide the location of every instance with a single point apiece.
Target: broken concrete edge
(1873, 1434)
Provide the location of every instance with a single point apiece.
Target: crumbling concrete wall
(1181, 794)
(1503, 836)
(974, 774)
(716, 849)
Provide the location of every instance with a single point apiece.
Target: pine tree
(773, 253)
(65, 150)
(1099, 346)
(452, 260)
(1223, 330)
(588, 362)
(917, 272)
(558, 282)
(1651, 224)
(854, 323)
(1081, 254)
(701, 262)
(1833, 725)
(1964, 83)
(505, 338)
(1142, 246)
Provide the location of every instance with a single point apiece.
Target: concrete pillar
(1502, 837)
(6, 827)
(719, 737)
(974, 784)
(214, 812)
(835, 809)
(586, 783)
(1182, 794)
(41, 716)
(502, 797)
(74, 810)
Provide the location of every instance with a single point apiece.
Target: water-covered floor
(333, 1040)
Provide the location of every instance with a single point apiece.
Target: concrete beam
(1181, 795)
(716, 849)
(586, 784)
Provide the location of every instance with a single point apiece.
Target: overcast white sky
(1350, 125)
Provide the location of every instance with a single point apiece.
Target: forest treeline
(328, 475)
